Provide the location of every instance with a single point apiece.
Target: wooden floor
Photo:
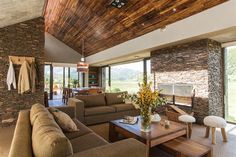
(221, 149)
(56, 102)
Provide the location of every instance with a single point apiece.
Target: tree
(231, 61)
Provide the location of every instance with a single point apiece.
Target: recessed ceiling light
(118, 3)
(136, 56)
(143, 24)
(174, 10)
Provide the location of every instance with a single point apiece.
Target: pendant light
(82, 53)
(82, 66)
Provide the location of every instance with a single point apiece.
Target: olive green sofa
(37, 134)
(100, 108)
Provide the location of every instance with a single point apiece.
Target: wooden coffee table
(158, 135)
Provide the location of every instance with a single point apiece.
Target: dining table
(84, 90)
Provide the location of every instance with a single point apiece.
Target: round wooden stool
(213, 122)
(188, 120)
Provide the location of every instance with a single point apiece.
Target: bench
(182, 147)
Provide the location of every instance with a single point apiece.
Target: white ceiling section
(16, 11)
(126, 58)
(58, 52)
(233, 43)
(205, 24)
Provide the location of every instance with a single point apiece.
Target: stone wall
(23, 39)
(215, 75)
(197, 63)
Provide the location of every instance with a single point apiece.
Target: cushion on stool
(215, 121)
(187, 119)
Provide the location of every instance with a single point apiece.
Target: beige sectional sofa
(37, 134)
(101, 108)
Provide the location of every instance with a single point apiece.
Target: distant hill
(123, 74)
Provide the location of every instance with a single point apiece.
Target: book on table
(129, 120)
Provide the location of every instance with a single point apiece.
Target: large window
(74, 81)
(230, 84)
(150, 77)
(126, 76)
(176, 89)
(63, 76)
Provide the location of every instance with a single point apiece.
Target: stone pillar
(215, 78)
(198, 63)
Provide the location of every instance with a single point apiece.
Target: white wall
(57, 51)
(212, 20)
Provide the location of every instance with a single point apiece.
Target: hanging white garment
(11, 78)
(24, 78)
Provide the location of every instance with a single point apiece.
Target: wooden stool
(213, 122)
(188, 120)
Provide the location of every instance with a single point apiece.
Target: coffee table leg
(113, 135)
(210, 153)
(147, 148)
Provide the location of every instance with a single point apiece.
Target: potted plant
(146, 100)
(75, 83)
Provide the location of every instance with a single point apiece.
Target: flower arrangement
(146, 100)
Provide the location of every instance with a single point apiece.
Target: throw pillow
(63, 120)
(115, 98)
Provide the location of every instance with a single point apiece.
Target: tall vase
(145, 117)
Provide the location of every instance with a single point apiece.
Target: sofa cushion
(87, 141)
(63, 120)
(123, 107)
(36, 110)
(98, 110)
(114, 98)
(48, 139)
(82, 130)
(92, 100)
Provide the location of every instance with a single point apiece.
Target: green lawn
(129, 86)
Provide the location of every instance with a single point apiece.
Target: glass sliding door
(58, 77)
(66, 77)
(74, 78)
(58, 82)
(47, 79)
(230, 84)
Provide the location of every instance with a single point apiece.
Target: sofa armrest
(70, 110)
(79, 108)
(21, 143)
(125, 148)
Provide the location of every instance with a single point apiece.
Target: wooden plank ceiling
(103, 26)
